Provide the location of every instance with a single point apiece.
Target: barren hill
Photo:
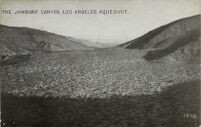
(168, 38)
(18, 41)
(36, 40)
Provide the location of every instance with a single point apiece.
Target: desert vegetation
(99, 89)
(53, 81)
(93, 74)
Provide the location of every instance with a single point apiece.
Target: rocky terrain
(134, 84)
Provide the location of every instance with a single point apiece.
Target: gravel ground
(99, 89)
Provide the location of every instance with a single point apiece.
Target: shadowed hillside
(168, 38)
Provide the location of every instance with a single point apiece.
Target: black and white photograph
(100, 63)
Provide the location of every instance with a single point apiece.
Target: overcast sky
(142, 16)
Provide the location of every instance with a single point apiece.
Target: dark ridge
(140, 42)
(158, 53)
(166, 109)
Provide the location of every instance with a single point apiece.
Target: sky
(141, 16)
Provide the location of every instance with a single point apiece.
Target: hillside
(17, 42)
(168, 38)
(37, 40)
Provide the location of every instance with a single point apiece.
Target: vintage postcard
(100, 63)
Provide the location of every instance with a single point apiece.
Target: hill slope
(36, 40)
(168, 38)
(17, 42)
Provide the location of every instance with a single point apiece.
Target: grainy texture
(112, 87)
